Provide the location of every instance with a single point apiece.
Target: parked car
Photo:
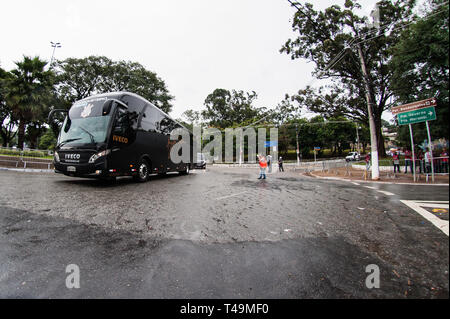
(201, 161)
(353, 156)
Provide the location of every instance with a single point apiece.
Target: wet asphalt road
(219, 233)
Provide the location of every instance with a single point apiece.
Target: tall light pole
(296, 138)
(54, 46)
(357, 136)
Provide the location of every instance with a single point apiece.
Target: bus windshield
(85, 124)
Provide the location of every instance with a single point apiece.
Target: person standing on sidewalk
(269, 163)
(396, 161)
(444, 161)
(420, 159)
(428, 161)
(367, 159)
(408, 161)
(280, 164)
(262, 167)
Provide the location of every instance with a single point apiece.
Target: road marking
(355, 183)
(432, 205)
(436, 221)
(379, 190)
(386, 193)
(232, 195)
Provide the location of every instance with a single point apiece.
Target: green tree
(285, 111)
(28, 91)
(80, 78)
(346, 50)
(420, 64)
(226, 109)
(7, 124)
(192, 117)
(47, 140)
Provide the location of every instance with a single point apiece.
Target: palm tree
(28, 92)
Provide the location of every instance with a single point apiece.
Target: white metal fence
(423, 168)
(26, 158)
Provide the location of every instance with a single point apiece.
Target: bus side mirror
(67, 126)
(107, 107)
(52, 112)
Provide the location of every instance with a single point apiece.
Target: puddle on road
(289, 179)
(258, 184)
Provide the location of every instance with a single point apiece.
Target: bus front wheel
(143, 171)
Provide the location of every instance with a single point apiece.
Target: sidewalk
(353, 174)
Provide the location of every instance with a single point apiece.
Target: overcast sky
(195, 46)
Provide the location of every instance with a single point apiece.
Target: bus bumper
(83, 170)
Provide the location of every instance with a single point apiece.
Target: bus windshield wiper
(89, 133)
(69, 140)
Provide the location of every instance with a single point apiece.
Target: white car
(353, 156)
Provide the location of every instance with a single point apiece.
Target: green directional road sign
(417, 116)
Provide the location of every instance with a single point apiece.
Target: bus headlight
(56, 157)
(98, 155)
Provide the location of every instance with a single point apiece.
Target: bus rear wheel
(143, 171)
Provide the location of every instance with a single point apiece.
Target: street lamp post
(357, 136)
(54, 46)
(296, 137)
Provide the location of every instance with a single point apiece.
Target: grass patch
(32, 154)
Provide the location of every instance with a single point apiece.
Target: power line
(342, 53)
(403, 26)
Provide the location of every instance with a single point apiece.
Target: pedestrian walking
(280, 164)
(262, 167)
(444, 161)
(269, 163)
(408, 161)
(396, 161)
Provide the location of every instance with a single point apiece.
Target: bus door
(122, 139)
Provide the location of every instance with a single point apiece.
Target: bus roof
(119, 94)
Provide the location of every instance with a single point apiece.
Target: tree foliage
(28, 91)
(80, 78)
(192, 117)
(324, 35)
(226, 108)
(7, 124)
(420, 64)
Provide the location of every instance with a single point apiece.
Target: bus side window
(165, 125)
(135, 106)
(149, 122)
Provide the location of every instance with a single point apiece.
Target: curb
(378, 182)
(27, 170)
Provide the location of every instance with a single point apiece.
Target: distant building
(389, 138)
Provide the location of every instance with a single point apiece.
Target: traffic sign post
(417, 112)
(270, 143)
(430, 147)
(414, 106)
(318, 149)
(413, 153)
(417, 116)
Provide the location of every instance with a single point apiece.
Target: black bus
(117, 134)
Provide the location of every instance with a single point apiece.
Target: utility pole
(240, 148)
(296, 137)
(54, 46)
(372, 126)
(357, 137)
